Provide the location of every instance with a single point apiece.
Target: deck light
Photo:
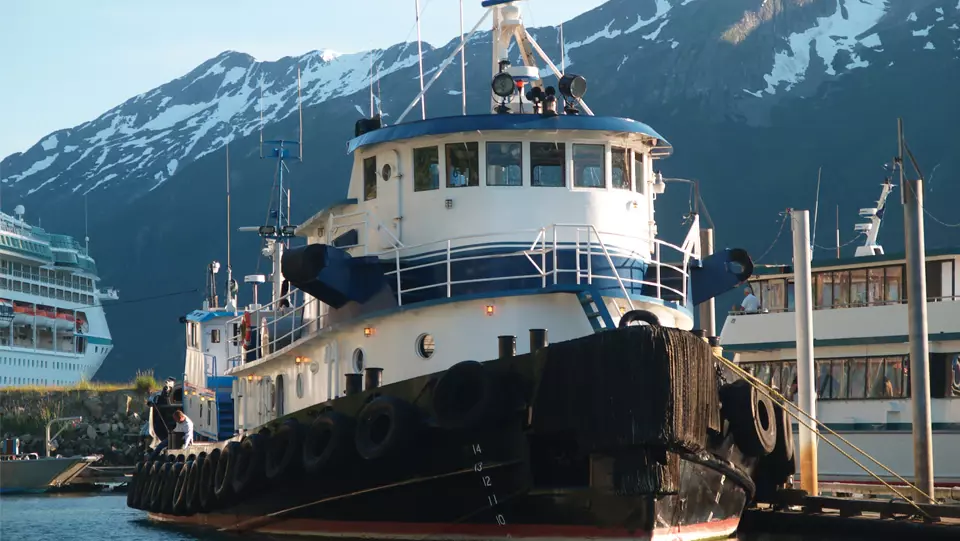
(368, 332)
(489, 309)
(573, 87)
(267, 230)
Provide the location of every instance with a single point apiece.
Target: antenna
(816, 209)
(838, 231)
(423, 101)
(300, 112)
(229, 291)
(563, 52)
(86, 229)
(463, 63)
(379, 99)
(261, 114)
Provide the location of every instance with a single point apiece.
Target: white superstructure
(862, 351)
(52, 326)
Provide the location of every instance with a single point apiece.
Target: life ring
(226, 466)
(751, 417)
(169, 487)
(385, 425)
(245, 328)
(192, 490)
(639, 315)
(208, 475)
(283, 448)
(249, 466)
(328, 442)
(179, 501)
(465, 397)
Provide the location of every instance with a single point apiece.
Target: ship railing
(587, 243)
(277, 326)
(296, 317)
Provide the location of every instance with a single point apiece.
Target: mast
(230, 301)
(423, 101)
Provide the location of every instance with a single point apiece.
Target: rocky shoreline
(111, 425)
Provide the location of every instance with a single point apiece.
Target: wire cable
(783, 222)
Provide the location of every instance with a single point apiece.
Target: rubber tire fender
(639, 315)
(249, 473)
(328, 442)
(751, 417)
(156, 489)
(207, 497)
(192, 489)
(467, 396)
(153, 479)
(385, 426)
(226, 466)
(282, 458)
(169, 487)
(179, 505)
(134, 485)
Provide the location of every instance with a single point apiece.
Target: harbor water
(107, 518)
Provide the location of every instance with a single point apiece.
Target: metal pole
(463, 63)
(917, 315)
(423, 101)
(708, 313)
(807, 398)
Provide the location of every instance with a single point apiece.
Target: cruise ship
(53, 330)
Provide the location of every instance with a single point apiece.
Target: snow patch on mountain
(830, 35)
(50, 143)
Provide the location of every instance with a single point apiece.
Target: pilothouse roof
(509, 122)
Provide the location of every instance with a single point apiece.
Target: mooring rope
(775, 395)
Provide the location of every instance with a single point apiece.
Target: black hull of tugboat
(614, 436)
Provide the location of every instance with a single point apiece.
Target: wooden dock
(794, 512)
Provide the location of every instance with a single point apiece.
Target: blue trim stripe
(203, 315)
(97, 340)
(473, 123)
(827, 342)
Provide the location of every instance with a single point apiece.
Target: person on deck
(750, 302)
(184, 425)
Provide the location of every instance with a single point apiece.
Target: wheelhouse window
(463, 165)
(548, 165)
(588, 166)
(370, 178)
(620, 168)
(426, 169)
(504, 164)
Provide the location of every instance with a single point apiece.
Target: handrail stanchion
(656, 249)
(616, 273)
(396, 253)
(556, 268)
(590, 255)
(576, 253)
(543, 256)
(449, 274)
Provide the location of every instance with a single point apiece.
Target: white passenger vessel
(382, 393)
(862, 351)
(53, 330)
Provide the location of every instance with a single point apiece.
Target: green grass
(143, 383)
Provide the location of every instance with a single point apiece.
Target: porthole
(425, 346)
(299, 385)
(358, 361)
(386, 171)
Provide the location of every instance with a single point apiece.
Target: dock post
(807, 398)
(911, 194)
(708, 312)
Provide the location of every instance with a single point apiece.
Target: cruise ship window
(370, 178)
(588, 166)
(426, 169)
(463, 164)
(858, 378)
(548, 165)
(894, 279)
(858, 287)
(897, 371)
(504, 164)
(620, 167)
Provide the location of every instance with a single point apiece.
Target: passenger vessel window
(620, 168)
(875, 286)
(426, 169)
(894, 277)
(858, 378)
(504, 164)
(858, 287)
(369, 178)
(771, 294)
(463, 165)
(588, 166)
(548, 165)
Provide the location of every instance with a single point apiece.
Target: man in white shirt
(750, 303)
(185, 425)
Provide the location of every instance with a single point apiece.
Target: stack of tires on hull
(641, 400)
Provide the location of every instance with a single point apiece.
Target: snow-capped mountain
(754, 94)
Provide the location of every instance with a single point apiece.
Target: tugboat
(382, 393)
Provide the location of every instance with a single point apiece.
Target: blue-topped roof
(472, 123)
(204, 315)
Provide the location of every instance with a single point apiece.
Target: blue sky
(64, 62)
